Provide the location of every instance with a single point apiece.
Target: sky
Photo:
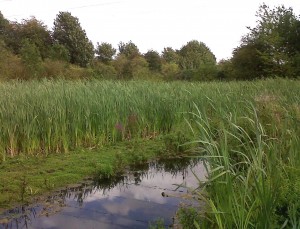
(153, 24)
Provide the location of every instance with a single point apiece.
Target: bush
(11, 67)
(104, 71)
(54, 68)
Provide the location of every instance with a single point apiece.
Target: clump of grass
(157, 224)
(189, 217)
(248, 166)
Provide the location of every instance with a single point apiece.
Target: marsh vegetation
(247, 131)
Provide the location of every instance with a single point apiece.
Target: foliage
(225, 70)
(59, 52)
(248, 63)
(130, 50)
(271, 48)
(105, 52)
(67, 31)
(104, 71)
(196, 61)
(169, 55)
(12, 37)
(54, 69)
(170, 71)
(31, 58)
(11, 67)
(130, 68)
(37, 33)
(138, 68)
(195, 54)
(154, 60)
(3, 26)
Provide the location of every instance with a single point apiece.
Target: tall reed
(252, 153)
(41, 117)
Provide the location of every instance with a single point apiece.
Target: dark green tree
(32, 29)
(225, 70)
(3, 25)
(12, 37)
(67, 31)
(249, 63)
(37, 33)
(154, 60)
(105, 52)
(276, 39)
(59, 52)
(31, 58)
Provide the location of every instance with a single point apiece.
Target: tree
(126, 68)
(276, 39)
(170, 71)
(31, 58)
(37, 33)
(249, 63)
(67, 31)
(3, 25)
(120, 64)
(138, 68)
(12, 37)
(130, 50)
(196, 61)
(170, 55)
(194, 54)
(225, 70)
(59, 52)
(32, 29)
(105, 52)
(154, 60)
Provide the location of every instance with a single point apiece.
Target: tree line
(28, 49)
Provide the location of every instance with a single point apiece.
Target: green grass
(24, 177)
(42, 117)
(253, 158)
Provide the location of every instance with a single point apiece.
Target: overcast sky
(152, 24)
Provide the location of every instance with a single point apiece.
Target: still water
(142, 195)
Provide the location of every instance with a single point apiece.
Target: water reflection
(130, 200)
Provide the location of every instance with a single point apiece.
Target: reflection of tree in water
(20, 217)
(176, 165)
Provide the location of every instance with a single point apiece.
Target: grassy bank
(24, 177)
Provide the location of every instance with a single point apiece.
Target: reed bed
(42, 117)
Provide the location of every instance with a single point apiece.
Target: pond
(144, 194)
